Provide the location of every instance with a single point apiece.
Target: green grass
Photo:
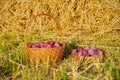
(15, 65)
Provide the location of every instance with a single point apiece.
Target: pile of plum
(49, 44)
(87, 51)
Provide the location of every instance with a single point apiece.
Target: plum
(37, 45)
(49, 46)
(74, 51)
(56, 44)
(50, 42)
(84, 52)
(91, 52)
(34, 46)
(30, 45)
(44, 45)
(95, 49)
(99, 53)
(80, 49)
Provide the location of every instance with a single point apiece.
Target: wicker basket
(88, 59)
(45, 54)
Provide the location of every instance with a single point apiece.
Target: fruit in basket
(30, 45)
(94, 48)
(43, 45)
(80, 49)
(49, 44)
(91, 52)
(56, 44)
(34, 46)
(84, 52)
(37, 45)
(74, 51)
(99, 53)
(87, 51)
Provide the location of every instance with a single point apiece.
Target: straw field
(84, 22)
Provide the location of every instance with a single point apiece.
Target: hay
(81, 19)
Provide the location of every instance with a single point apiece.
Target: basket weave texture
(91, 59)
(45, 54)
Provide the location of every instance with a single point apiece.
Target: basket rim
(86, 56)
(63, 46)
(45, 48)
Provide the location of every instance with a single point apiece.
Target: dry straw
(45, 54)
(81, 19)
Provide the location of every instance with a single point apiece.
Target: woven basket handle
(51, 17)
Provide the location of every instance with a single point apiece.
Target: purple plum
(49, 46)
(38, 45)
(34, 46)
(74, 51)
(30, 45)
(94, 48)
(80, 49)
(56, 44)
(44, 45)
(50, 42)
(91, 51)
(84, 52)
(99, 53)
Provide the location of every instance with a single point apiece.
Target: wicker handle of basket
(51, 17)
